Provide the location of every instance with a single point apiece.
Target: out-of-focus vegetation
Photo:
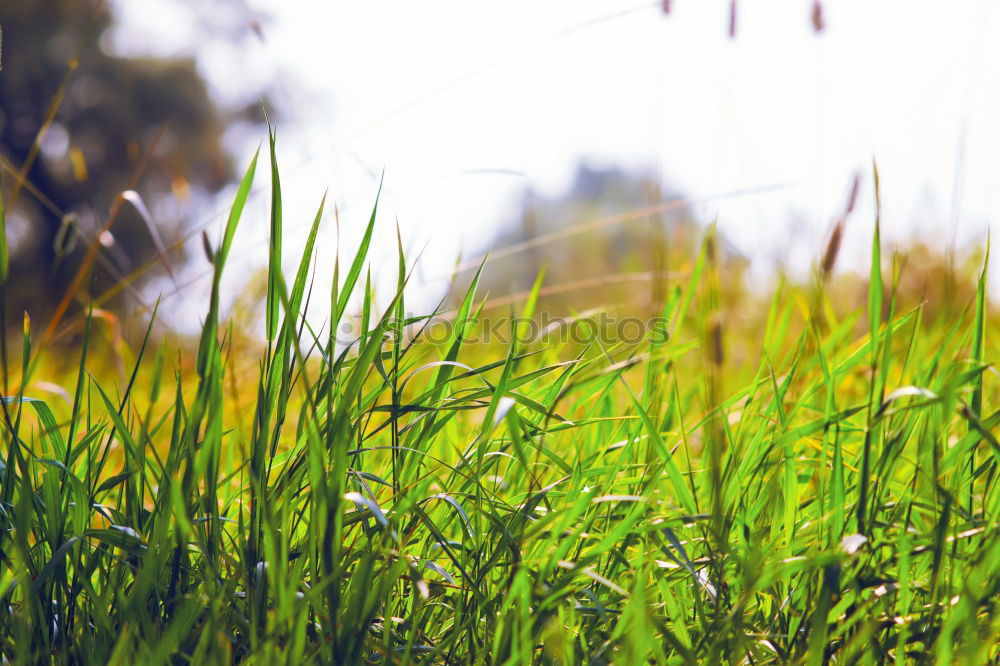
(614, 242)
(634, 236)
(80, 126)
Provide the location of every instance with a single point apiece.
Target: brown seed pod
(832, 249)
(852, 199)
(817, 16)
(206, 245)
(715, 334)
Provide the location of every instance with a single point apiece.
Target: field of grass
(831, 497)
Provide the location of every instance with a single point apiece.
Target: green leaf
(274, 243)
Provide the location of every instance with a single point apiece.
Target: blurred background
(596, 139)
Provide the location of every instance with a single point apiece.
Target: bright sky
(464, 104)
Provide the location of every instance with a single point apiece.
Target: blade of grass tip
(656, 371)
(295, 309)
(978, 358)
(979, 334)
(289, 335)
(400, 278)
(200, 480)
(528, 310)
(208, 338)
(354, 273)
(874, 322)
(135, 199)
(463, 321)
(689, 291)
(274, 243)
(366, 307)
(334, 299)
(397, 346)
(886, 345)
(875, 274)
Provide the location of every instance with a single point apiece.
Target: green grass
(831, 499)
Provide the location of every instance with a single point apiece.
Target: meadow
(817, 487)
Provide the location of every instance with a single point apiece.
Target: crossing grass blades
(400, 501)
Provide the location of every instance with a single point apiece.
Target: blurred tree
(614, 238)
(78, 126)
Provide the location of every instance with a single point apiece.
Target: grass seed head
(852, 198)
(832, 249)
(817, 16)
(715, 334)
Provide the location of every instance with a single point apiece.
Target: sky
(464, 105)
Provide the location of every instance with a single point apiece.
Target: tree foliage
(78, 126)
